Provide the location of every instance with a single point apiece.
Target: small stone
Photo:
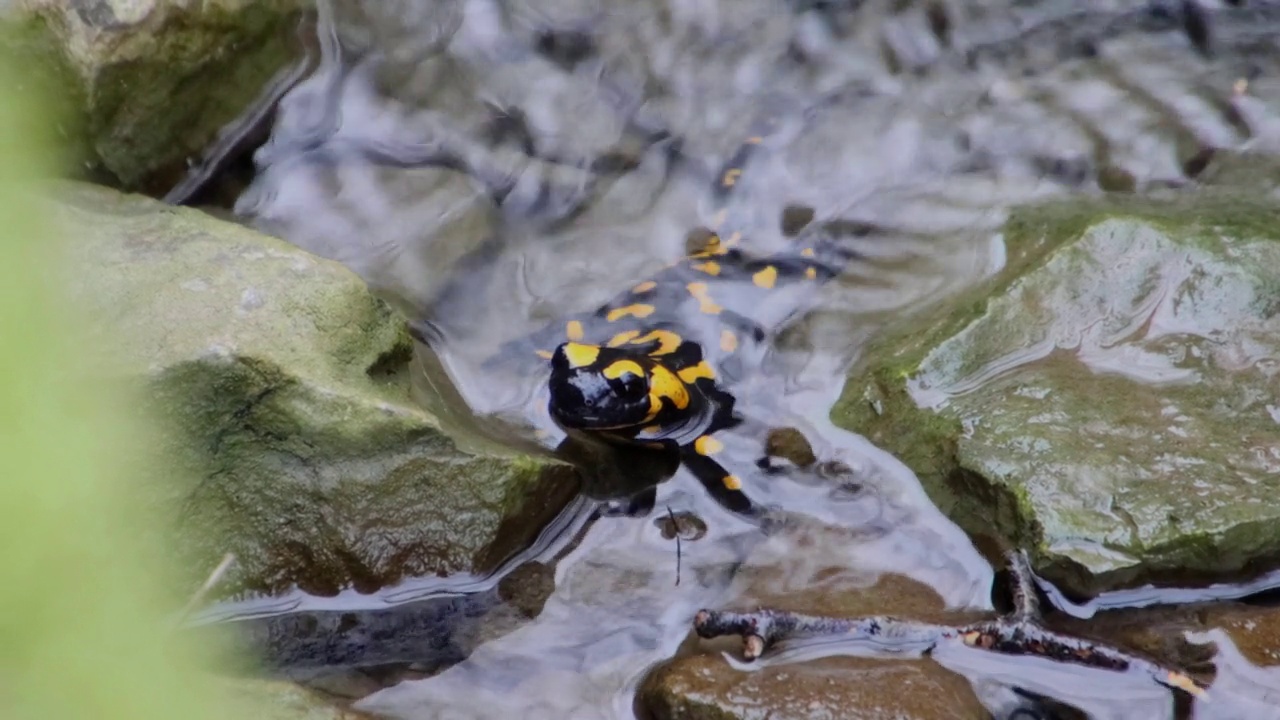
(790, 444)
(1116, 179)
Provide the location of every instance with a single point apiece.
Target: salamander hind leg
(724, 487)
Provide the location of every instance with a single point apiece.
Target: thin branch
(675, 529)
(214, 578)
(1020, 633)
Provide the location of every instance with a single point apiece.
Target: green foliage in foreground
(82, 631)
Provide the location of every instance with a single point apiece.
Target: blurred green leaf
(83, 627)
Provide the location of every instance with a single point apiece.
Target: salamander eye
(631, 386)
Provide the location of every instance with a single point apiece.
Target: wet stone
(795, 218)
(790, 444)
(287, 435)
(1116, 179)
(705, 687)
(527, 587)
(1188, 637)
(1255, 631)
(703, 684)
(1107, 400)
(276, 700)
(682, 525)
(1161, 632)
(144, 85)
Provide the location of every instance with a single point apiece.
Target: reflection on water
(489, 166)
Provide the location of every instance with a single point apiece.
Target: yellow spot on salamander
(707, 445)
(701, 370)
(544, 354)
(623, 338)
(755, 140)
(728, 341)
(580, 355)
(644, 287)
(667, 341)
(621, 367)
(766, 277)
(710, 267)
(655, 407)
(732, 482)
(810, 273)
(705, 303)
(573, 330)
(639, 310)
(731, 177)
(807, 252)
(666, 385)
(651, 430)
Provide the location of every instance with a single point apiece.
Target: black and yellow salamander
(654, 367)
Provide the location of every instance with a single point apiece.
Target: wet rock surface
(144, 86)
(701, 683)
(704, 687)
(274, 700)
(279, 383)
(1232, 645)
(1107, 400)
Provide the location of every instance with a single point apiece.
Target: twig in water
(675, 528)
(1020, 633)
(214, 578)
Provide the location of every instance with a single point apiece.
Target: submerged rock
(1108, 399)
(704, 687)
(144, 86)
(846, 572)
(289, 436)
(275, 700)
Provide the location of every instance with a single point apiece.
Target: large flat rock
(1109, 399)
(287, 432)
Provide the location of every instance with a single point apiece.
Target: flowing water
(590, 134)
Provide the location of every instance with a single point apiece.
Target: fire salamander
(653, 367)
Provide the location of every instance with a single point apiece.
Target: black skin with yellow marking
(667, 401)
(651, 368)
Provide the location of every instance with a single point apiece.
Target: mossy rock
(288, 437)
(1108, 399)
(144, 86)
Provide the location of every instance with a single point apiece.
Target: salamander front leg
(724, 487)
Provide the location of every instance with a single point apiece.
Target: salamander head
(594, 387)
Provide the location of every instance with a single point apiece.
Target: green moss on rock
(144, 86)
(1099, 400)
(279, 444)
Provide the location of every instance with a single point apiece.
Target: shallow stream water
(927, 121)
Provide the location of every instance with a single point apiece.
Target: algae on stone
(257, 359)
(1109, 404)
(145, 86)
